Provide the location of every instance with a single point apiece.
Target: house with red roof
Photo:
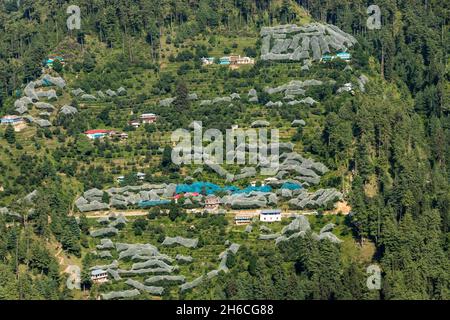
(97, 133)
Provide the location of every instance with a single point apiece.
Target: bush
(250, 52)
(183, 69)
(185, 55)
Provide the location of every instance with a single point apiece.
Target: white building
(241, 219)
(140, 175)
(148, 118)
(99, 276)
(270, 215)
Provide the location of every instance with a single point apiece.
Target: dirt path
(137, 213)
(129, 213)
(60, 259)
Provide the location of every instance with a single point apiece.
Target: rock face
(291, 42)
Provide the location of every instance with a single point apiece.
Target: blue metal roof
(97, 272)
(271, 211)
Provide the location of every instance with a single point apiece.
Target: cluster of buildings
(145, 118)
(212, 204)
(265, 215)
(232, 60)
(102, 133)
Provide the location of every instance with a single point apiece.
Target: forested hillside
(387, 148)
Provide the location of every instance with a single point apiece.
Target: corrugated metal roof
(98, 272)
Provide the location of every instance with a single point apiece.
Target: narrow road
(137, 213)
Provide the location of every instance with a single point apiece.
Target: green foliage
(387, 148)
(88, 63)
(57, 66)
(10, 135)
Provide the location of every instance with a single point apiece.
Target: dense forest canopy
(388, 149)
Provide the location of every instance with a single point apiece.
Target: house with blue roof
(270, 215)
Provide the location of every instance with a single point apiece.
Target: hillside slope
(384, 139)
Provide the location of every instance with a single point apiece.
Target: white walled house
(270, 215)
(99, 276)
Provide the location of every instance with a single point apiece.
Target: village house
(270, 215)
(207, 61)
(238, 60)
(135, 123)
(341, 55)
(99, 276)
(148, 118)
(145, 118)
(212, 203)
(16, 121)
(11, 119)
(140, 176)
(97, 133)
(119, 135)
(233, 61)
(101, 133)
(241, 219)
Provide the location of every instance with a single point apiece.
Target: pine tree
(10, 135)
(182, 102)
